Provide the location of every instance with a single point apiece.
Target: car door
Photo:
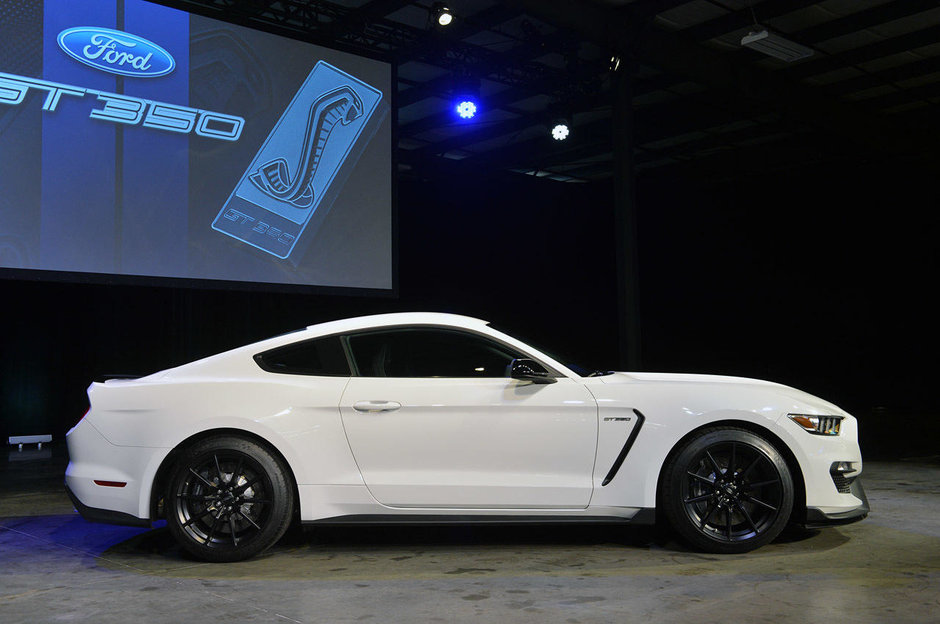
(433, 420)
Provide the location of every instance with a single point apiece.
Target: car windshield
(577, 367)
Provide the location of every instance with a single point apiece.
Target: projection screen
(140, 140)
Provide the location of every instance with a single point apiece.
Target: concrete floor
(54, 567)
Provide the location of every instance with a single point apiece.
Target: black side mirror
(530, 370)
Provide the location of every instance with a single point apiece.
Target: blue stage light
(466, 109)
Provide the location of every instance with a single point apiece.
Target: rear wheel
(228, 499)
(727, 490)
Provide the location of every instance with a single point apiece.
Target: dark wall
(819, 279)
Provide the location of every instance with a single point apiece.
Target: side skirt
(645, 516)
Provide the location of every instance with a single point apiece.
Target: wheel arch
(799, 495)
(166, 466)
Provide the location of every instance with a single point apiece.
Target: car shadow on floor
(528, 544)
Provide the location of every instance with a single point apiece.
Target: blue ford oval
(116, 52)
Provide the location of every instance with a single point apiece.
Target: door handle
(376, 406)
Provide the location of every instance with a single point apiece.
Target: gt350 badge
(124, 109)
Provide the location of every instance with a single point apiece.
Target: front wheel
(228, 499)
(727, 490)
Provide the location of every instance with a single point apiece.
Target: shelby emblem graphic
(295, 176)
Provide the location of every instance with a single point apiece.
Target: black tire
(228, 499)
(727, 490)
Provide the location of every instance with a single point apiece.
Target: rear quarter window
(323, 357)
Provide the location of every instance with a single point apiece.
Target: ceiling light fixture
(441, 14)
(560, 130)
(776, 46)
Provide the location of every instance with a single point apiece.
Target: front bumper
(816, 518)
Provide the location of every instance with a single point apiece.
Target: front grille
(843, 483)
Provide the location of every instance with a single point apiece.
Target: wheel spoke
(231, 526)
(728, 522)
(249, 519)
(205, 512)
(215, 526)
(708, 514)
(694, 499)
(238, 469)
(218, 469)
(760, 502)
(248, 484)
(747, 516)
(732, 461)
(758, 484)
(199, 498)
(751, 466)
(701, 478)
(714, 464)
(256, 501)
(203, 479)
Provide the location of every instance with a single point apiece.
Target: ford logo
(116, 52)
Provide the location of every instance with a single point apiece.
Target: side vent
(640, 419)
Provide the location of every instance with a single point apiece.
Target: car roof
(396, 318)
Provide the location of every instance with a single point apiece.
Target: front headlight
(819, 425)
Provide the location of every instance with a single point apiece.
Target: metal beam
(737, 20)
(924, 93)
(690, 149)
(534, 77)
(503, 99)
(462, 28)
(790, 152)
(861, 54)
(478, 133)
(860, 20)
(886, 76)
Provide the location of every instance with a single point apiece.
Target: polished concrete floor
(56, 567)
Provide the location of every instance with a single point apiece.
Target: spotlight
(441, 14)
(614, 63)
(466, 109)
(560, 130)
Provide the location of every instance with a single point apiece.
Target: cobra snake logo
(340, 105)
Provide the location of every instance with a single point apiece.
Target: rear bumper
(816, 518)
(94, 514)
(94, 461)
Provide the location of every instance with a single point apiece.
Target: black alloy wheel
(228, 499)
(727, 490)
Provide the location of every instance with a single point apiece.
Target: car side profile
(427, 417)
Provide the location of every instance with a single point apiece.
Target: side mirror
(530, 370)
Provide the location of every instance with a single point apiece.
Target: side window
(422, 352)
(322, 356)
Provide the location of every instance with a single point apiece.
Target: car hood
(796, 400)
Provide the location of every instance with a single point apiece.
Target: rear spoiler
(104, 378)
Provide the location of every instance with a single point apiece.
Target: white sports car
(425, 417)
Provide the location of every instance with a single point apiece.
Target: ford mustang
(425, 417)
